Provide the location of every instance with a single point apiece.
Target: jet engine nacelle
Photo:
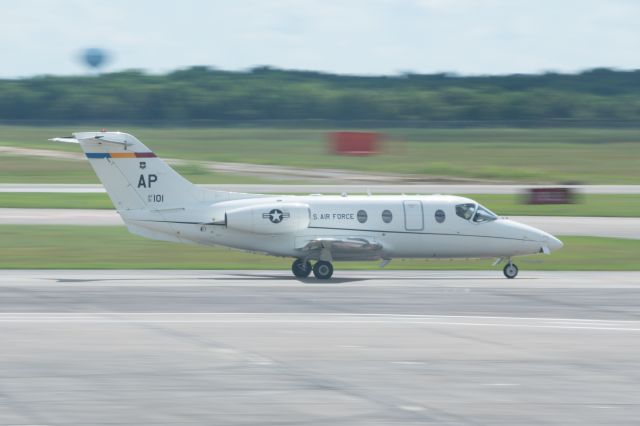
(272, 218)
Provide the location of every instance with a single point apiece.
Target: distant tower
(95, 58)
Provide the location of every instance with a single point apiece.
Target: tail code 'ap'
(134, 177)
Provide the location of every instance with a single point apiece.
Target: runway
(557, 225)
(370, 348)
(416, 188)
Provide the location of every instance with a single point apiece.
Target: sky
(365, 37)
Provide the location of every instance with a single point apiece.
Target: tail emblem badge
(143, 164)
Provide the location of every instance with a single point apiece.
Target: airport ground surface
(369, 348)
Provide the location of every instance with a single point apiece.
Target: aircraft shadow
(271, 277)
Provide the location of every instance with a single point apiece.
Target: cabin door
(413, 216)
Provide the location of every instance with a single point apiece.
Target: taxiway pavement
(368, 348)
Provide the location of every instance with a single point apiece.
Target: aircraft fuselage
(404, 226)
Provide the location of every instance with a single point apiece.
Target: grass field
(524, 155)
(22, 169)
(506, 205)
(69, 247)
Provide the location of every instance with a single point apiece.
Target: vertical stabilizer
(134, 177)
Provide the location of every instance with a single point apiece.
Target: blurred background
(532, 108)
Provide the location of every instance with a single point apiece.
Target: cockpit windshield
(465, 211)
(475, 212)
(483, 214)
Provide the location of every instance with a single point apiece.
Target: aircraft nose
(545, 242)
(552, 242)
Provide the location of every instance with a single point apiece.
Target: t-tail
(148, 194)
(134, 177)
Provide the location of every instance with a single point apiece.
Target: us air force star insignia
(143, 164)
(275, 215)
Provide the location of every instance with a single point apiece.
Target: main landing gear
(300, 268)
(510, 270)
(322, 270)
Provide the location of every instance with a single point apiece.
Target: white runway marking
(320, 318)
(413, 408)
(501, 384)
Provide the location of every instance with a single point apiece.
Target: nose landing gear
(322, 270)
(510, 270)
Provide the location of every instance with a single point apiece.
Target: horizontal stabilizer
(114, 138)
(66, 139)
(117, 138)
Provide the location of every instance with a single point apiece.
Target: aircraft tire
(510, 270)
(300, 268)
(323, 270)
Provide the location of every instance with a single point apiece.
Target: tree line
(264, 93)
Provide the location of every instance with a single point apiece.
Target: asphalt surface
(557, 225)
(467, 188)
(369, 348)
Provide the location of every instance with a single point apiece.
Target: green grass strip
(589, 156)
(72, 247)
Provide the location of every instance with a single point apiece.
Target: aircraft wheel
(323, 270)
(300, 268)
(510, 270)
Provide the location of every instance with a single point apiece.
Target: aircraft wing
(345, 248)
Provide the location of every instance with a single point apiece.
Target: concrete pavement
(377, 348)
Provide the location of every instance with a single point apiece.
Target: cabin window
(466, 211)
(387, 216)
(440, 216)
(483, 214)
(362, 216)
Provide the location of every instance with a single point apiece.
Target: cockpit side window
(483, 214)
(466, 211)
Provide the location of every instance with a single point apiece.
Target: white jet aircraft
(156, 202)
